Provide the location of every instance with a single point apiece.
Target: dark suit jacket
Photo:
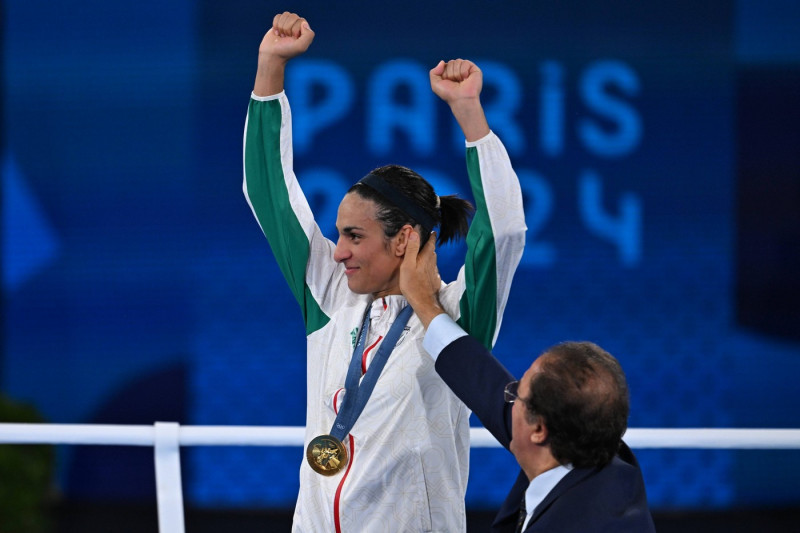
(611, 499)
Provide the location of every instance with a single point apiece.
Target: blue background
(653, 142)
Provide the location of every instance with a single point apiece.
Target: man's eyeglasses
(510, 392)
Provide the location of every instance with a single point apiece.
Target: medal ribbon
(356, 396)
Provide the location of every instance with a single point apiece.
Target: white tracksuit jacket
(409, 449)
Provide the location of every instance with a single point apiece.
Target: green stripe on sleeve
(478, 304)
(266, 190)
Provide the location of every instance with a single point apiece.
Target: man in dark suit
(563, 421)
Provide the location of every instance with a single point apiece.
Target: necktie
(523, 514)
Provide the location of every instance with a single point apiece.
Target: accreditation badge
(326, 455)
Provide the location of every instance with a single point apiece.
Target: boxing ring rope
(167, 437)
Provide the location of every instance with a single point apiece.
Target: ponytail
(455, 213)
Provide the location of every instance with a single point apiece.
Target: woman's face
(371, 261)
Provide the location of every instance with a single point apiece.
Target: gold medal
(326, 455)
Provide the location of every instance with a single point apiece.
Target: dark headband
(399, 200)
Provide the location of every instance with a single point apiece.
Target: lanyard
(356, 396)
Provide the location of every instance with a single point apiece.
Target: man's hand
(459, 82)
(289, 36)
(419, 278)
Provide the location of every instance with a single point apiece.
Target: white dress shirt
(441, 331)
(540, 487)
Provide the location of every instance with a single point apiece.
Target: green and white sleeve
(495, 241)
(304, 255)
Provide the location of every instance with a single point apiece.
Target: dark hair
(452, 216)
(582, 396)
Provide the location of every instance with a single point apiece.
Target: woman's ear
(401, 240)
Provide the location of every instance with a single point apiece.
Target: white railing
(167, 437)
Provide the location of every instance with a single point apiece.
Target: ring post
(168, 478)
